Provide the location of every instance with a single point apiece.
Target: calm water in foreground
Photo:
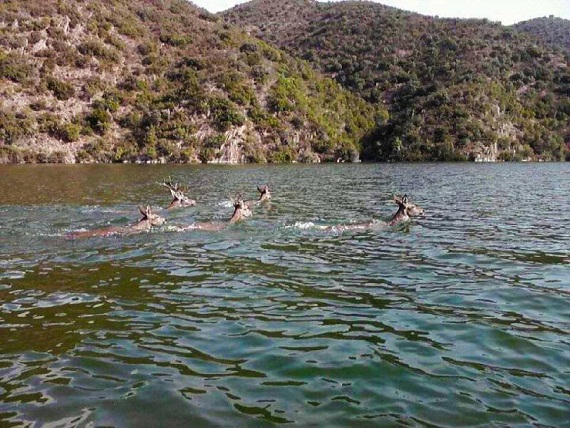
(461, 318)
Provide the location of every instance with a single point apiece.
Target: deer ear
(397, 199)
(142, 210)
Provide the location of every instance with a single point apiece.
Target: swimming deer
(179, 199)
(264, 196)
(406, 209)
(148, 220)
(241, 212)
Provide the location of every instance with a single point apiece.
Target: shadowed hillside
(553, 31)
(152, 80)
(455, 89)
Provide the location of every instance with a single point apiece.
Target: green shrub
(39, 105)
(270, 53)
(9, 154)
(286, 95)
(207, 154)
(177, 40)
(130, 29)
(254, 153)
(508, 156)
(111, 101)
(56, 157)
(147, 48)
(83, 156)
(98, 50)
(14, 128)
(248, 48)
(194, 63)
(253, 59)
(187, 155)
(210, 147)
(99, 120)
(69, 132)
(225, 114)
(262, 119)
(92, 86)
(284, 155)
(14, 68)
(115, 41)
(61, 90)
(97, 151)
(215, 141)
(125, 150)
(237, 89)
(259, 74)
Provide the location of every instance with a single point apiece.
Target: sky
(505, 11)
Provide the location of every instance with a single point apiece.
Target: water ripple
(458, 318)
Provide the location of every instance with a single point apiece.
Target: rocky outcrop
(231, 151)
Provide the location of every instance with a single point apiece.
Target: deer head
(151, 218)
(264, 194)
(406, 209)
(179, 199)
(412, 209)
(241, 209)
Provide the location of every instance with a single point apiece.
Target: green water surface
(459, 318)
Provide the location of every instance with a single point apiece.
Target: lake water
(459, 318)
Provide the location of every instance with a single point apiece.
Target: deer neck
(174, 204)
(237, 216)
(400, 217)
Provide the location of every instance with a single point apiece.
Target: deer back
(148, 220)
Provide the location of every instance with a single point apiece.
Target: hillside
(161, 81)
(455, 89)
(551, 30)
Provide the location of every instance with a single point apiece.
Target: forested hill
(552, 30)
(455, 88)
(161, 80)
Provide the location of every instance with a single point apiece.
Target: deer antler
(172, 186)
(167, 183)
(176, 190)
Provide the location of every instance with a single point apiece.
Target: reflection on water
(459, 318)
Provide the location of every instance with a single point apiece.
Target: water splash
(306, 225)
